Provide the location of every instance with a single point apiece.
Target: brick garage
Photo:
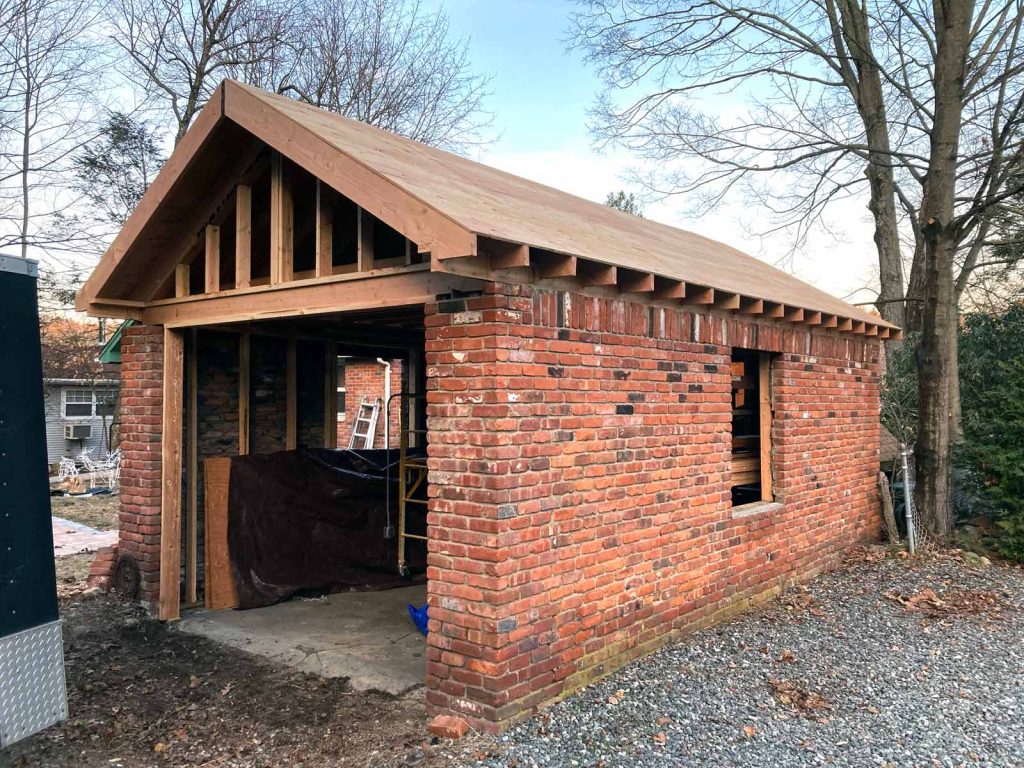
(632, 431)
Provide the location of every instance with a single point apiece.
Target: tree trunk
(935, 358)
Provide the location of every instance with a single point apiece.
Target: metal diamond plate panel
(32, 692)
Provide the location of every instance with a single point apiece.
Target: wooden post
(244, 365)
(324, 231)
(181, 280)
(364, 241)
(243, 236)
(212, 258)
(765, 410)
(888, 512)
(282, 223)
(291, 389)
(170, 454)
(192, 447)
(330, 395)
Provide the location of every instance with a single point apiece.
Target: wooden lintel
(324, 230)
(364, 241)
(594, 273)
(699, 294)
(243, 236)
(170, 482)
(774, 309)
(549, 265)
(749, 306)
(212, 282)
(812, 318)
(724, 300)
(666, 289)
(282, 222)
(632, 281)
(291, 396)
(794, 314)
(182, 280)
(400, 287)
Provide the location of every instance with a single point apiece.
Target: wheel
(127, 578)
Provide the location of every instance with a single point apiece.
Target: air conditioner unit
(77, 431)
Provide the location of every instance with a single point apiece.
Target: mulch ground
(143, 694)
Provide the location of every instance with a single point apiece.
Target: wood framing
(324, 230)
(182, 280)
(192, 472)
(219, 584)
(364, 241)
(764, 389)
(243, 236)
(212, 244)
(330, 395)
(170, 484)
(244, 372)
(282, 222)
(383, 288)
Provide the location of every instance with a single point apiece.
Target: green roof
(111, 352)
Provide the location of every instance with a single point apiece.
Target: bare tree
(179, 51)
(625, 203)
(914, 107)
(391, 64)
(48, 76)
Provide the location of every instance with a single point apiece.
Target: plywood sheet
(220, 584)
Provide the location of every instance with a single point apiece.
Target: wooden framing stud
(243, 236)
(793, 314)
(364, 241)
(282, 222)
(170, 475)
(192, 448)
(594, 273)
(829, 321)
(632, 281)
(725, 300)
(883, 333)
(871, 330)
(182, 280)
(699, 294)
(666, 289)
(895, 334)
(844, 324)
(774, 309)
(324, 230)
(859, 327)
(244, 373)
(750, 306)
(331, 395)
(291, 396)
(812, 318)
(212, 283)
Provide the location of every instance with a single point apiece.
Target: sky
(540, 94)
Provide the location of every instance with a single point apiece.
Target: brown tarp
(312, 521)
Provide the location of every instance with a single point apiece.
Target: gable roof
(455, 197)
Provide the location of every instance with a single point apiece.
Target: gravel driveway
(862, 667)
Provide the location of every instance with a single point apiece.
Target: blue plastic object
(419, 617)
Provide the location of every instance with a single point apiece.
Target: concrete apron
(367, 637)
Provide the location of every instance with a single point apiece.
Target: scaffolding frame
(412, 471)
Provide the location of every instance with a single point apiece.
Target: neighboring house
(79, 414)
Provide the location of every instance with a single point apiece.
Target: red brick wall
(366, 378)
(141, 423)
(580, 508)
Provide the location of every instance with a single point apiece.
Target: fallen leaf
(787, 657)
(660, 738)
(750, 731)
(159, 747)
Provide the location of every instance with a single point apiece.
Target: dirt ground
(72, 572)
(143, 694)
(99, 512)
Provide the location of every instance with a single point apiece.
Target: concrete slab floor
(367, 637)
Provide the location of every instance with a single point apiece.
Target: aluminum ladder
(366, 418)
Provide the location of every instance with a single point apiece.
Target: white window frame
(64, 404)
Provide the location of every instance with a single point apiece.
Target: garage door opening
(305, 494)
